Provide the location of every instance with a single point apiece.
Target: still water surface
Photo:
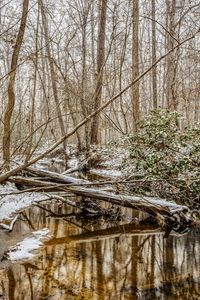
(102, 261)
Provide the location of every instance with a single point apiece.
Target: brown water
(102, 261)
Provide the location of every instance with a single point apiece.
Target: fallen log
(148, 204)
(59, 178)
(20, 180)
(168, 210)
(55, 176)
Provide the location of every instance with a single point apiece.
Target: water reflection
(119, 262)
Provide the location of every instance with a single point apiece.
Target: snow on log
(148, 204)
(55, 176)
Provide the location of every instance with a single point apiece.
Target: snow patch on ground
(72, 163)
(10, 204)
(107, 173)
(24, 249)
(113, 157)
(111, 163)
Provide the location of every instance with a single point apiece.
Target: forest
(100, 149)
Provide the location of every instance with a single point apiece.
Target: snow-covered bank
(11, 202)
(24, 249)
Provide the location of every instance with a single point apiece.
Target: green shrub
(160, 150)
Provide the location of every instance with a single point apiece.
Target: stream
(88, 258)
(101, 261)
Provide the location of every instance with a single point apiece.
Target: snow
(108, 173)
(10, 226)
(12, 203)
(24, 249)
(112, 162)
(72, 163)
(113, 157)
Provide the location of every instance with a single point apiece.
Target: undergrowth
(167, 157)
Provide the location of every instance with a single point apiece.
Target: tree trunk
(154, 73)
(11, 84)
(32, 113)
(170, 63)
(52, 72)
(135, 65)
(85, 105)
(99, 74)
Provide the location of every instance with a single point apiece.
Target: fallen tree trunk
(151, 205)
(148, 204)
(55, 176)
(59, 178)
(20, 180)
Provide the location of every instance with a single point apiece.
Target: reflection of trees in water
(99, 267)
(11, 284)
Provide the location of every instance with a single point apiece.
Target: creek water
(93, 259)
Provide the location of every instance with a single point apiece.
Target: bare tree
(32, 113)
(154, 72)
(99, 73)
(135, 65)
(170, 40)
(52, 71)
(84, 102)
(11, 84)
